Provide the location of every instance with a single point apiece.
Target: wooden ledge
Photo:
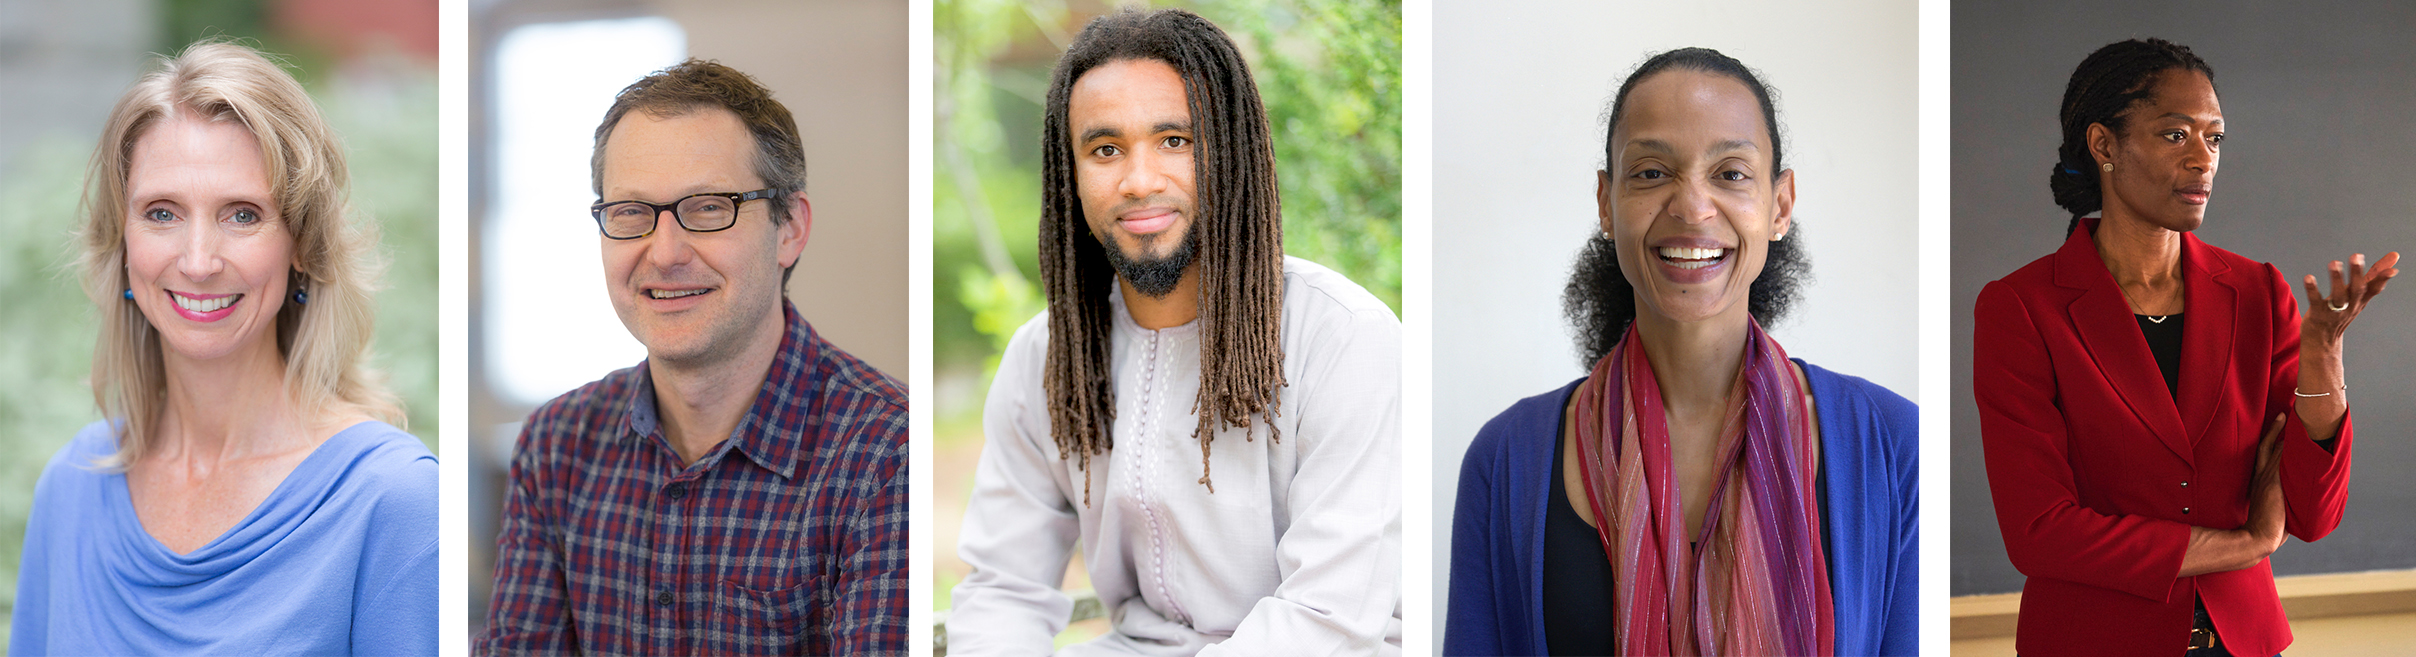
(2304, 597)
(1982, 616)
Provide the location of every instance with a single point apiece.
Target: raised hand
(2328, 315)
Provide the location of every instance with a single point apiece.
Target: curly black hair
(1599, 303)
(2103, 89)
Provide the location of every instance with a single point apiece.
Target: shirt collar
(774, 425)
(1121, 317)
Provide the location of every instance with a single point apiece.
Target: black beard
(1154, 277)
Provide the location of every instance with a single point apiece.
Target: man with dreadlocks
(1174, 322)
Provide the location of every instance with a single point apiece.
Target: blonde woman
(243, 495)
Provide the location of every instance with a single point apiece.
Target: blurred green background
(370, 66)
(1330, 75)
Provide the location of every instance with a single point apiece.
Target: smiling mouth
(204, 305)
(675, 294)
(1690, 258)
(1147, 221)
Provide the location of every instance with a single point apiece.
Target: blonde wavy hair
(325, 341)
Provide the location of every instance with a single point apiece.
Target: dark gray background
(2319, 103)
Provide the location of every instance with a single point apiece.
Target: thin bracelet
(2295, 391)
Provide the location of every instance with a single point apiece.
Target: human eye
(244, 217)
(713, 204)
(161, 215)
(1731, 175)
(629, 210)
(1650, 174)
(2176, 136)
(1106, 150)
(1177, 142)
(2215, 139)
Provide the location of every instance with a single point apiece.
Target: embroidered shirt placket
(1145, 467)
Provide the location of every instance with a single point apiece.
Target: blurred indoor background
(542, 73)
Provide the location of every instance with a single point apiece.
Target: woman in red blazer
(2155, 411)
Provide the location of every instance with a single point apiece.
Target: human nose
(198, 258)
(668, 246)
(2203, 158)
(1690, 202)
(1145, 175)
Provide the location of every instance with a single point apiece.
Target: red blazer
(2098, 475)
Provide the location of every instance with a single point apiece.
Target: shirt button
(2185, 509)
(663, 598)
(2184, 484)
(675, 491)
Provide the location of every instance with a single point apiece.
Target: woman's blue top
(339, 560)
(1870, 460)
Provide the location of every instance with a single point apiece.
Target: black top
(2164, 340)
(1577, 573)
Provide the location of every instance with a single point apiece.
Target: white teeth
(203, 305)
(1682, 253)
(674, 294)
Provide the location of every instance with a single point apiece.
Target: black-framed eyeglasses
(698, 213)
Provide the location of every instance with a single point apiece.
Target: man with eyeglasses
(743, 490)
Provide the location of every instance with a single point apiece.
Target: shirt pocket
(752, 622)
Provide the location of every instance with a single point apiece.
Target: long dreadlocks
(1241, 353)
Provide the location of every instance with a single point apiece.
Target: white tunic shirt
(1298, 552)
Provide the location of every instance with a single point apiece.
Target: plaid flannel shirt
(788, 538)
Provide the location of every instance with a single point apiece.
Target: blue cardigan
(339, 560)
(1870, 454)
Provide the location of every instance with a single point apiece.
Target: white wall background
(1518, 96)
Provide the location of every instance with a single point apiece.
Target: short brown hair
(779, 153)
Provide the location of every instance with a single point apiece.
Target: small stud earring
(301, 297)
(2107, 167)
(1781, 237)
(129, 294)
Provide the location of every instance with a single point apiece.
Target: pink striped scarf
(1757, 585)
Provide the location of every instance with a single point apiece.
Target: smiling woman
(1699, 490)
(245, 494)
(200, 198)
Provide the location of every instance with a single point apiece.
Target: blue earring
(301, 297)
(129, 294)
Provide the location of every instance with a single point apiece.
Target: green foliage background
(389, 130)
(1329, 72)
